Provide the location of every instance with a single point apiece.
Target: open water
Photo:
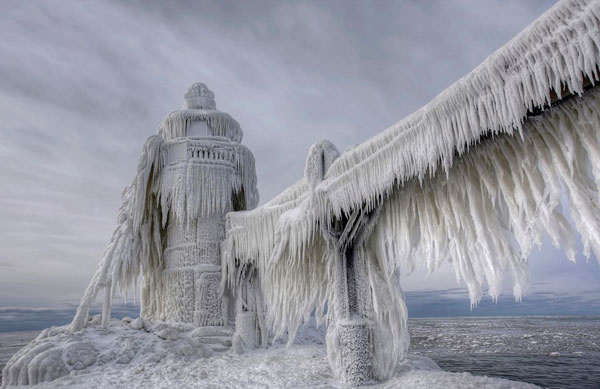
(11, 342)
(552, 352)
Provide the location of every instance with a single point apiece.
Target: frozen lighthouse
(203, 178)
(172, 219)
(475, 179)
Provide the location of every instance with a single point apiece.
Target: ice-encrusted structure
(474, 178)
(170, 227)
(172, 219)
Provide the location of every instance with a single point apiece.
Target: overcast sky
(83, 84)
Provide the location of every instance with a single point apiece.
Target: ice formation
(57, 352)
(475, 178)
(171, 221)
(120, 356)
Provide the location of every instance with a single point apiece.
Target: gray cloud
(84, 83)
(34, 319)
(425, 303)
(455, 302)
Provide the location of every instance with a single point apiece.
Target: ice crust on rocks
(118, 356)
(57, 352)
(302, 366)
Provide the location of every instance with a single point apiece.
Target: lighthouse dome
(200, 97)
(200, 110)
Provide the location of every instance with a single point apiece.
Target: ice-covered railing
(253, 232)
(551, 56)
(457, 180)
(207, 149)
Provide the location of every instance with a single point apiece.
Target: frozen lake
(552, 352)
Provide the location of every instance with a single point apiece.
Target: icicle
(552, 51)
(219, 123)
(506, 189)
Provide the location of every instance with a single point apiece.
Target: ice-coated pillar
(349, 338)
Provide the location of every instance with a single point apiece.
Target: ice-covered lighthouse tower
(172, 218)
(206, 173)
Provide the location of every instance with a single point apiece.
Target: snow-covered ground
(301, 366)
(160, 355)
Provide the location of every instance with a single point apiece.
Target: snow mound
(122, 357)
(57, 352)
